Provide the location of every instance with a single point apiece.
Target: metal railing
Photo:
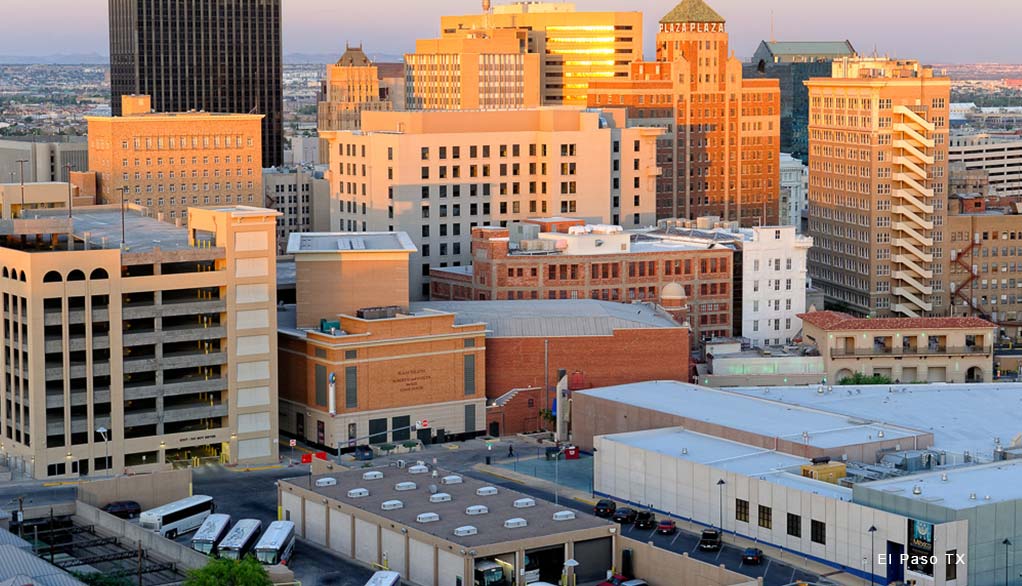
(926, 351)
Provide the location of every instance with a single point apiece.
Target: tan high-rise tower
(722, 158)
(878, 187)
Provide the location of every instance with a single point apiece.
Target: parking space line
(767, 568)
(794, 570)
(677, 534)
(719, 551)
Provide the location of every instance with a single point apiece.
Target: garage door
(594, 558)
(292, 510)
(422, 556)
(315, 522)
(365, 542)
(394, 551)
(340, 532)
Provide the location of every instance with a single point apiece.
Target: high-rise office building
(222, 56)
(720, 156)
(169, 161)
(438, 174)
(352, 86)
(134, 343)
(480, 69)
(878, 140)
(576, 47)
(791, 63)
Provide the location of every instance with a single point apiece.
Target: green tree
(861, 379)
(224, 572)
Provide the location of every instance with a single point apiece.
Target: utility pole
(21, 164)
(124, 195)
(140, 563)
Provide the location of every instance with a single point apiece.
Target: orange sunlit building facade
(721, 152)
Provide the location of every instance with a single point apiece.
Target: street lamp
(872, 556)
(569, 570)
(124, 196)
(557, 475)
(1006, 543)
(69, 168)
(720, 485)
(163, 446)
(106, 443)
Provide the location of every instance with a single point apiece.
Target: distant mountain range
(100, 59)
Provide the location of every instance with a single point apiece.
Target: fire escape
(911, 213)
(963, 290)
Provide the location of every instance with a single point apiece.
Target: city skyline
(324, 26)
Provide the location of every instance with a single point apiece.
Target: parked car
(605, 508)
(123, 509)
(624, 516)
(615, 580)
(752, 556)
(710, 540)
(645, 520)
(666, 527)
(635, 582)
(363, 453)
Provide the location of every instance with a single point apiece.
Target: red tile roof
(835, 320)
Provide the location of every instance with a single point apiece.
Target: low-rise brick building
(531, 345)
(566, 259)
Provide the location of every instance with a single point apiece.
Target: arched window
(76, 275)
(50, 277)
(99, 274)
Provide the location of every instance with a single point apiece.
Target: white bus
(173, 519)
(211, 533)
(277, 544)
(241, 539)
(384, 578)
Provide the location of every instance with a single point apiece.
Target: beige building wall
(490, 69)
(40, 196)
(436, 175)
(168, 162)
(170, 349)
(878, 177)
(577, 47)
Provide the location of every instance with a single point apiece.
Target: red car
(615, 580)
(666, 527)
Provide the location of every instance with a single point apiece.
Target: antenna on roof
(773, 39)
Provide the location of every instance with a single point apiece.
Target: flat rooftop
(997, 482)
(729, 456)
(760, 416)
(551, 317)
(960, 416)
(313, 242)
(490, 526)
(103, 224)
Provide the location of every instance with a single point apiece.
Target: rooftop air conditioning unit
(465, 531)
(427, 518)
(328, 481)
(440, 497)
(357, 493)
(477, 510)
(564, 516)
(452, 479)
(392, 505)
(372, 475)
(418, 469)
(402, 486)
(515, 523)
(486, 491)
(524, 503)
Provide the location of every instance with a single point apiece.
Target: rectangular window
(951, 565)
(742, 510)
(351, 387)
(470, 375)
(818, 532)
(794, 525)
(766, 520)
(401, 428)
(377, 431)
(470, 418)
(321, 385)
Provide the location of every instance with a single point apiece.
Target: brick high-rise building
(722, 158)
(352, 86)
(222, 56)
(878, 177)
(168, 162)
(576, 47)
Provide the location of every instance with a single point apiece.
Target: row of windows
(817, 529)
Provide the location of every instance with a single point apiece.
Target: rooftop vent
(440, 497)
(525, 503)
(477, 510)
(986, 498)
(378, 312)
(404, 486)
(372, 475)
(564, 515)
(328, 481)
(465, 531)
(880, 433)
(392, 505)
(418, 469)
(427, 518)
(452, 479)
(515, 523)
(357, 493)
(972, 496)
(486, 490)
(943, 476)
(917, 489)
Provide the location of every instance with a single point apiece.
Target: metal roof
(811, 48)
(19, 567)
(312, 242)
(965, 487)
(692, 11)
(552, 318)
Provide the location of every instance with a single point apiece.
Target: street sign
(425, 423)
(292, 443)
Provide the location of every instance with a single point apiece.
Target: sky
(933, 31)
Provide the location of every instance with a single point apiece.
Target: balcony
(884, 352)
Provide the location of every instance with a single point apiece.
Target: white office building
(999, 156)
(794, 197)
